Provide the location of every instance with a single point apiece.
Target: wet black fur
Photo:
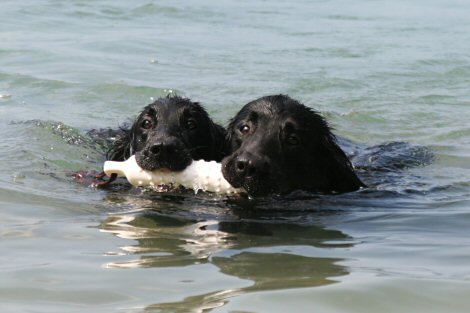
(279, 145)
(170, 133)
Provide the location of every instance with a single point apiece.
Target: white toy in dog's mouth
(199, 175)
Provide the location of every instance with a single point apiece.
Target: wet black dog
(279, 145)
(170, 133)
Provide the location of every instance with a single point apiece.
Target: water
(379, 71)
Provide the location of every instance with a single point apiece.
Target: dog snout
(248, 165)
(163, 149)
(165, 152)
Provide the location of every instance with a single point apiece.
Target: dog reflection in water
(172, 241)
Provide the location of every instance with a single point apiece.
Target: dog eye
(191, 123)
(244, 129)
(293, 140)
(147, 124)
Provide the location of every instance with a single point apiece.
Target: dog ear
(231, 140)
(338, 170)
(343, 178)
(121, 148)
(219, 142)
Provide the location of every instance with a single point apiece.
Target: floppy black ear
(343, 178)
(231, 141)
(219, 142)
(339, 174)
(121, 148)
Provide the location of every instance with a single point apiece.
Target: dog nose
(251, 165)
(161, 149)
(244, 166)
(156, 149)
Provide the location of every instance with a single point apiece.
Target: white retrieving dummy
(199, 175)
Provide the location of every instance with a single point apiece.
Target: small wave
(5, 96)
(130, 91)
(153, 9)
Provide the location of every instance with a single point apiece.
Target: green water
(378, 70)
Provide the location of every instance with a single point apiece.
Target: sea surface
(390, 73)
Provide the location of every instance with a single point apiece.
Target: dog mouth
(151, 163)
(255, 185)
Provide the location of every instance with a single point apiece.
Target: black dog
(170, 133)
(279, 145)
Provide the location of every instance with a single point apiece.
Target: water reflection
(267, 271)
(269, 254)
